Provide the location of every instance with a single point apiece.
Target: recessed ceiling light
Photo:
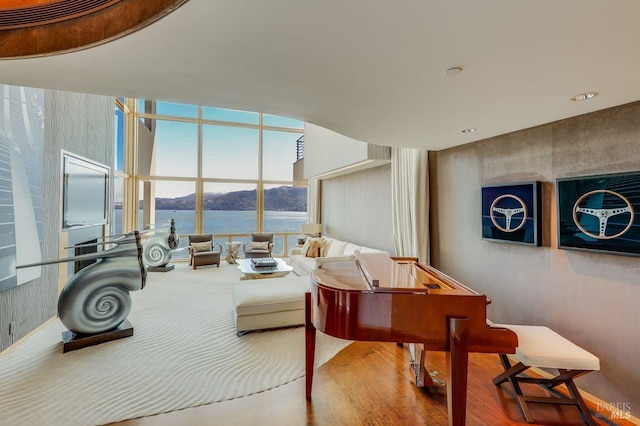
(468, 130)
(452, 71)
(584, 96)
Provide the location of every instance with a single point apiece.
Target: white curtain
(410, 202)
(313, 201)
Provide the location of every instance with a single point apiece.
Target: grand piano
(375, 297)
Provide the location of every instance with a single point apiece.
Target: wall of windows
(119, 175)
(217, 171)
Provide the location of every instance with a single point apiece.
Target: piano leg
(457, 366)
(310, 344)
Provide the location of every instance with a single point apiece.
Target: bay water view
(231, 222)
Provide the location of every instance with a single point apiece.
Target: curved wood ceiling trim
(43, 14)
(70, 25)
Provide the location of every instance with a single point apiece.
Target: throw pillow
(312, 251)
(316, 248)
(260, 245)
(305, 247)
(336, 249)
(310, 241)
(327, 245)
(198, 247)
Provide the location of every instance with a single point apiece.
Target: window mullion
(260, 187)
(199, 225)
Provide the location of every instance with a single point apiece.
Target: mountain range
(282, 198)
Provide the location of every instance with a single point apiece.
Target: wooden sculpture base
(164, 268)
(72, 341)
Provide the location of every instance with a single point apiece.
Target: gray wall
(356, 207)
(589, 298)
(84, 125)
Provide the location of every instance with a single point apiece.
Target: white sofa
(303, 264)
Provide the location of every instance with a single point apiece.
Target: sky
(228, 152)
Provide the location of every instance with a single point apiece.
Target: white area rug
(184, 353)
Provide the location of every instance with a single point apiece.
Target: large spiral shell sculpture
(96, 299)
(156, 250)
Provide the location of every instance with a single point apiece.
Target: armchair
(261, 245)
(203, 251)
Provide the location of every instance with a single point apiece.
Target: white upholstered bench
(542, 347)
(269, 303)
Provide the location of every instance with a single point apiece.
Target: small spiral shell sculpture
(96, 299)
(156, 250)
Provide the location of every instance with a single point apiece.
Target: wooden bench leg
(510, 374)
(508, 370)
(584, 410)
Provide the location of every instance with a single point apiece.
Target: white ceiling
(371, 69)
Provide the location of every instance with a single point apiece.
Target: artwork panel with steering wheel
(599, 213)
(510, 212)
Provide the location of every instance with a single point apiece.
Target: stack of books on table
(267, 262)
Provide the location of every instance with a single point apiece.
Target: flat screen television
(85, 192)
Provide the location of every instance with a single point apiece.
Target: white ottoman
(542, 347)
(269, 303)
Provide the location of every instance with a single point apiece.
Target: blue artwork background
(529, 192)
(569, 190)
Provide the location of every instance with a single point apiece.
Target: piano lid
(378, 272)
(341, 273)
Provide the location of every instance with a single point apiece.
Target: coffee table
(250, 273)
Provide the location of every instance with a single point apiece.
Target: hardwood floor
(370, 384)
